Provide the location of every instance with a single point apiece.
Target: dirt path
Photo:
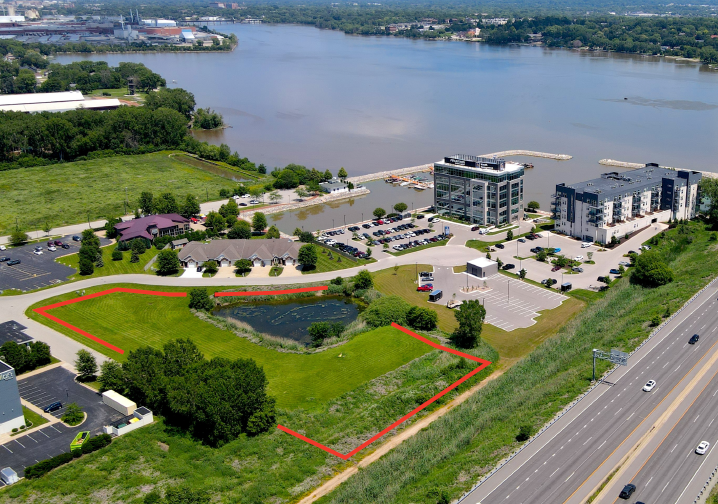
(331, 484)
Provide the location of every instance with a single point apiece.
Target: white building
(54, 102)
(482, 267)
(334, 187)
(617, 204)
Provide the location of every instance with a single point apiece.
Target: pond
(291, 319)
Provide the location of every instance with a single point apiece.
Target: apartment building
(479, 190)
(617, 204)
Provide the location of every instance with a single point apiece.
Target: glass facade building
(484, 191)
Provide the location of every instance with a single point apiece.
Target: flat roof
(4, 367)
(119, 398)
(60, 106)
(30, 98)
(482, 262)
(481, 164)
(13, 331)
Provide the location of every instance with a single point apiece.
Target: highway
(570, 459)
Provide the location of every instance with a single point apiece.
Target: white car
(330, 242)
(2, 247)
(37, 252)
(649, 386)
(51, 249)
(254, 202)
(578, 258)
(703, 447)
(245, 195)
(586, 244)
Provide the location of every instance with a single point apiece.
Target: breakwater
(306, 203)
(546, 155)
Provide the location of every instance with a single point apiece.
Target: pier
(391, 173)
(546, 155)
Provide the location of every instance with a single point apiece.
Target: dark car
(65, 246)
(614, 271)
(694, 339)
(530, 237)
(556, 268)
(76, 238)
(475, 228)
(4, 259)
(58, 243)
(14, 262)
(521, 240)
(632, 252)
(53, 407)
(508, 266)
(50, 243)
(500, 245)
(627, 491)
(420, 216)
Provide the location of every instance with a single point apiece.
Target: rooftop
(13, 331)
(138, 228)
(482, 262)
(53, 102)
(482, 164)
(4, 367)
(614, 182)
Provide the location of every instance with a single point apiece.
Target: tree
(111, 377)
(166, 204)
(342, 174)
(363, 280)
(400, 207)
(134, 259)
(379, 212)
(240, 230)
(524, 434)
(229, 210)
(256, 192)
(319, 331)
(301, 193)
(138, 245)
(15, 355)
(614, 240)
(199, 299)
(327, 175)
(656, 320)
(243, 265)
(651, 270)
(25, 82)
(110, 231)
(709, 193)
(190, 207)
(259, 222)
(211, 267)
(522, 273)
(215, 222)
(47, 228)
(541, 256)
(86, 365)
(533, 205)
(116, 255)
(176, 99)
(145, 378)
(87, 267)
(470, 316)
(589, 255)
(422, 319)
(308, 256)
(306, 237)
(167, 262)
(509, 235)
(186, 495)
(297, 231)
(146, 202)
(385, 310)
(621, 270)
(39, 354)
(350, 186)
(180, 356)
(73, 414)
(18, 237)
(274, 196)
(272, 232)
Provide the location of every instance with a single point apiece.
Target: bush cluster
(387, 309)
(45, 466)
(23, 359)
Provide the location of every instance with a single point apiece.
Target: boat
(405, 184)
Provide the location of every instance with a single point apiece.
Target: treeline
(87, 76)
(215, 400)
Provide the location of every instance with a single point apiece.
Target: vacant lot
(123, 267)
(130, 321)
(66, 193)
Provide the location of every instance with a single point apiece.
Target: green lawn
(123, 267)
(130, 321)
(64, 194)
(32, 417)
(325, 264)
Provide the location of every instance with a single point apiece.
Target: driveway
(37, 271)
(56, 384)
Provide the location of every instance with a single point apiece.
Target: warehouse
(54, 102)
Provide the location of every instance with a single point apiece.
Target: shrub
(134, 257)
(117, 255)
(319, 331)
(337, 281)
(73, 414)
(14, 429)
(524, 434)
(509, 235)
(139, 246)
(651, 271)
(656, 320)
(95, 443)
(199, 299)
(306, 237)
(45, 466)
(423, 319)
(243, 265)
(363, 280)
(167, 262)
(18, 238)
(385, 310)
(87, 267)
(211, 267)
(272, 232)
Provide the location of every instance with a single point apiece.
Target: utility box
(118, 402)
(8, 476)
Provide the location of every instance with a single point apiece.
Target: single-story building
(152, 226)
(140, 417)
(334, 186)
(482, 267)
(225, 252)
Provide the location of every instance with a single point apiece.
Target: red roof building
(152, 226)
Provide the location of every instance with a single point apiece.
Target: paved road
(572, 457)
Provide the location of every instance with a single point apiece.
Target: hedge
(44, 467)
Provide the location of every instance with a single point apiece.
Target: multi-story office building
(11, 415)
(486, 191)
(617, 204)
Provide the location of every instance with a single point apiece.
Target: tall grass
(456, 450)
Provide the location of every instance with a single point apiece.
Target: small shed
(118, 402)
(482, 267)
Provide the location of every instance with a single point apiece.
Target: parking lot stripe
(53, 428)
(8, 449)
(43, 433)
(18, 442)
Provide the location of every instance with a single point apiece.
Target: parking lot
(510, 303)
(56, 384)
(35, 271)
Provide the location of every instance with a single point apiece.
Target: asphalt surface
(42, 389)
(568, 460)
(36, 271)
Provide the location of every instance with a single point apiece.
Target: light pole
(362, 217)
(332, 223)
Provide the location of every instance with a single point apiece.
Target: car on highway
(14, 262)
(694, 339)
(703, 447)
(499, 245)
(614, 271)
(649, 386)
(627, 491)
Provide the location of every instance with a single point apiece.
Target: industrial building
(482, 267)
(479, 190)
(617, 204)
(11, 415)
(54, 102)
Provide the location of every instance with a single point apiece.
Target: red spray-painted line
(271, 293)
(484, 364)
(43, 310)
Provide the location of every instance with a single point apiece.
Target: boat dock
(546, 155)
(390, 173)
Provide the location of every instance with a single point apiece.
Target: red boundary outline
(43, 310)
(483, 364)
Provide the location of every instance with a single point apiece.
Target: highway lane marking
(674, 448)
(617, 412)
(574, 472)
(711, 423)
(694, 421)
(589, 439)
(554, 472)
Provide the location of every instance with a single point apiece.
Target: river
(296, 94)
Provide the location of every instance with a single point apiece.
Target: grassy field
(218, 168)
(32, 417)
(455, 451)
(130, 321)
(66, 193)
(325, 264)
(123, 267)
(271, 468)
(510, 345)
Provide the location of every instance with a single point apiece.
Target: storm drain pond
(291, 319)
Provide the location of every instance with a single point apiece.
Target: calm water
(325, 99)
(290, 319)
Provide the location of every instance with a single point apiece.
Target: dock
(391, 173)
(546, 155)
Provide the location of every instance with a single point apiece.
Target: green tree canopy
(243, 265)
(470, 316)
(400, 207)
(199, 299)
(215, 222)
(651, 270)
(308, 256)
(533, 205)
(422, 319)
(342, 174)
(363, 280)
(379, 212)
(259, 222)
(86, 365)
(385, 310)
(240, 230)
(167, 262)
(272, 232)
